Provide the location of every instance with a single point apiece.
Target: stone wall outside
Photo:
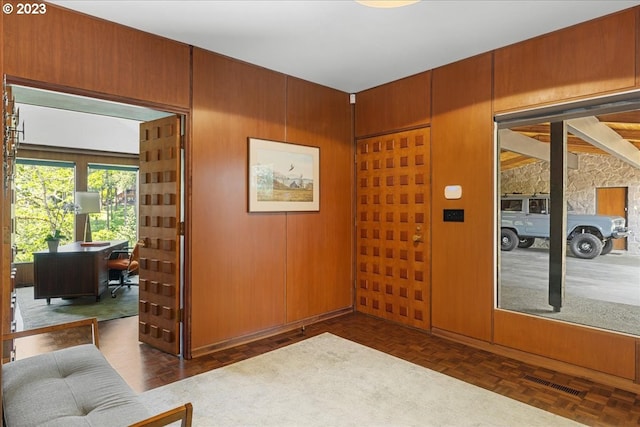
(594, 170)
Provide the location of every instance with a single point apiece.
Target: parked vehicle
(525, 218)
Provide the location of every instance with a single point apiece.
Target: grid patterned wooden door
(393, 235)
(160, 161)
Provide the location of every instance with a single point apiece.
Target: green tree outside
(45, 197)
(118, 219)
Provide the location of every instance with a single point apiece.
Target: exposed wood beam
(509, 160)
(518, 143)
(594, 132)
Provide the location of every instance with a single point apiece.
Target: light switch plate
(453, 192)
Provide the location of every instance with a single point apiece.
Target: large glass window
(569, 215)
(44, 204)
(118, 188)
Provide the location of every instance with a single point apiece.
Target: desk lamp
(88, 203)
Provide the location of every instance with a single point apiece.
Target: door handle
(417, 236)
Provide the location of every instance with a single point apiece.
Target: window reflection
(602, 197)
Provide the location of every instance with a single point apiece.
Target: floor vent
(563, 388)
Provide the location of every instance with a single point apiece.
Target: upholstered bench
(75, 386)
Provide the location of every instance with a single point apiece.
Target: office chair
(122, 264)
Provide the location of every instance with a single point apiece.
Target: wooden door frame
(185, 248)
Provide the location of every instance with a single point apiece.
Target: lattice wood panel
(393, 220)
(159, 222)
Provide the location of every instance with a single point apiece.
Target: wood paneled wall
(319, 259)
(400, 105)
(248, 269)
(592, 58)
(462, 154)
(256, 271)
(587, 60)
(250, 272)
(238, 259)
(587, 347)
(583, 61)
(77, 51)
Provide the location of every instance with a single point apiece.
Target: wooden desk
(74, 271)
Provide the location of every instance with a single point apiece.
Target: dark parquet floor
(581, 400)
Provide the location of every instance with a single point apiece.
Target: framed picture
(283, 177)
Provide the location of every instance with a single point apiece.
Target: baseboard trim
(541, 361)
(245, 339)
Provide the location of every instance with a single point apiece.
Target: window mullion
(558, 217)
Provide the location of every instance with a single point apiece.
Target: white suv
(525, 218)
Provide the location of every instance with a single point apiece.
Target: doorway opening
(99, 141)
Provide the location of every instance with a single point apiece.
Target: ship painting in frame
(283, 177)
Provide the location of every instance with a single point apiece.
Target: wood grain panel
(319, 244)
(588, 59)
(402, 104)
(463, 154)
(590, 348)
(81, 52)
(238, 259)
(392, 234)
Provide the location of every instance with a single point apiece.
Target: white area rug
(330, 381)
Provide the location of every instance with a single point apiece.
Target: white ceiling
(343, 44)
